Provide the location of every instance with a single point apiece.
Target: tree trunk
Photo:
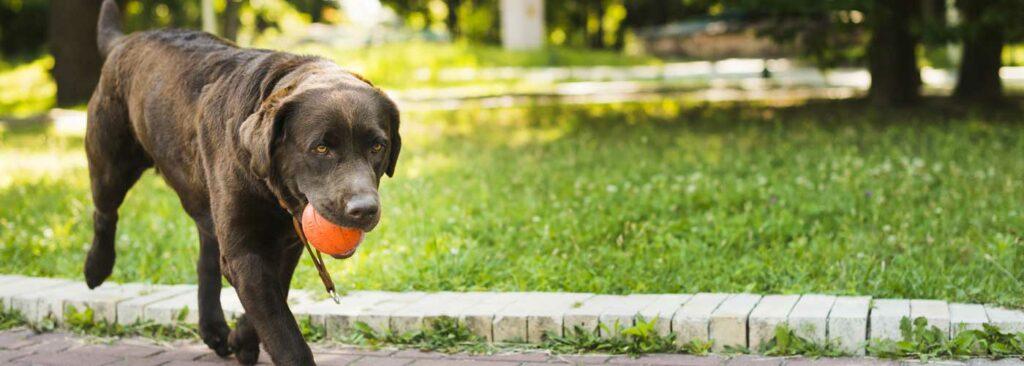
(895, 77)
(229, 20)
(76, 57)
(452, 20)
(597, 40)
(982, 56)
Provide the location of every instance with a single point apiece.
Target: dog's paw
(247, 347)
(98, 265)
(215, 335)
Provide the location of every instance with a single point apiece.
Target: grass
(29, 89)
(662, 197)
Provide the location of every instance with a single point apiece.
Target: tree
(829, 32)
(229, 20)
(988, 25)
(892, 62)
(77, 61)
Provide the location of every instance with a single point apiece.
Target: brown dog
(232, 130)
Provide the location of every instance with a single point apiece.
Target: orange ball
(336, 241)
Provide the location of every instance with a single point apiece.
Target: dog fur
(232, 131)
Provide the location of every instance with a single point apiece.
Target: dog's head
(325, 138)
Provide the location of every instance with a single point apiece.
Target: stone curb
(743, 320)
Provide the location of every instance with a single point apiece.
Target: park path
(23, 347)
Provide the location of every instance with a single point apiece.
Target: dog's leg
(212, 327)
(116, 161)
(261, 292)
(243, 338)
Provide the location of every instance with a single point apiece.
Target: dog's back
(160, 78)
(163, 96)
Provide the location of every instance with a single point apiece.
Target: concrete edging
(745, 320)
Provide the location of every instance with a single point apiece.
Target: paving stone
(935, 311)
(848, 323)
(515, 357)
(7, 356)
(102, 300)
(809, 318)
(434, 306)
(669, 359)
(378, 315)
(843, 361)
(462, 363)
(357, 351)
(913, 362)
(623, 314)
(15, 339)
(327, 359)
(579, 359)
(1001, 362)
(754, 360)
(693, 320)
(772, 311)
(211, 357)
(479, 317)
(415, 353)
(131, 310)
(52, 343)
(533, 314)
(123, 350)
(587, 315)
(69, 358)
(18, 285)
(30, 301)
(729, 321)
(165, 304)
(340, 315)
(1009, 321)
(885, 318)
(168, 310)
(966, 317)
(382, 361)
(340, 319)
(662, 309)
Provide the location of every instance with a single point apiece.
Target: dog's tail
(108, 29)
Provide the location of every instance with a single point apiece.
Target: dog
(245, 137)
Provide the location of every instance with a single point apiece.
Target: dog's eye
(320, 149)
(377, 147)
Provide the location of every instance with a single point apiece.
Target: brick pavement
(23, 347)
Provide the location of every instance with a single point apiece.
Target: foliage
(11, 319)
(84, 322)
(927, 342)
(443, 335)
(311, 331)
(28, 87)
(787, 343)
(22, 26)
(633, 340)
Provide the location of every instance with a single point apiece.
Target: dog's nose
(362, 207)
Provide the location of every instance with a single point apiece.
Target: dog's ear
(394, 136)
(260, 129)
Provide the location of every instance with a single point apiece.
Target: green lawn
(653, 197)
